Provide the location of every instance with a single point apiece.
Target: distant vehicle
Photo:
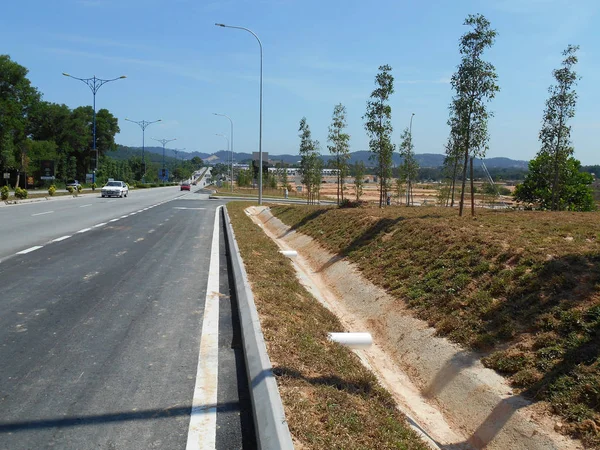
(115, 189)
(74, 184)
(185, 186)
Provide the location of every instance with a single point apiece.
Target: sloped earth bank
(443, 389)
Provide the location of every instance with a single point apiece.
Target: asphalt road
(100, 331)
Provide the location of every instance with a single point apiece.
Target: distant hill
(424, 159)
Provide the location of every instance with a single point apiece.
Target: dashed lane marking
(60, 239)
(42, 213)
(29, 250)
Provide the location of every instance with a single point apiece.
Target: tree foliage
(409, 168)
(574, 191)
(340, 147)
(359, 175)
(379, 129)
(311, 163)
(474, 84)
(17, 101)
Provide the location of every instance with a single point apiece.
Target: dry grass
(521, 286)
(331, 400)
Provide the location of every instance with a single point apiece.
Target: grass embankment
(522, 287)
(331, 401)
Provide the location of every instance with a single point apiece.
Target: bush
(51, 190)
(79, 188)
(20, 193)
(347, 203)
(4, 192)
(70, 189)
(94, 186)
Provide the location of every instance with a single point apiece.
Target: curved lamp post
(231, 121)
(94, 84)
(143, 124)
(164, 142)
(260, 168)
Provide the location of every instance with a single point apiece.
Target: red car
(185, 186)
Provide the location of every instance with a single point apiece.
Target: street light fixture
(260, 167)
(143, 124)
(231, 121)
(94, 84)
(164, 142)
(228, 147)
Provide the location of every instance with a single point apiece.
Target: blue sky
(181, 68)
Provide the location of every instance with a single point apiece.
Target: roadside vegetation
(522, 288)
(331, 400)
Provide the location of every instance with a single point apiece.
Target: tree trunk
(454, 172)
(472, 189)
(556, 167)
(464, 182)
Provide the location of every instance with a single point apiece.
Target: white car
(115, 189)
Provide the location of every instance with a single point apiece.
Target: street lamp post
(94, 84)
(143, 124)
(228, 147)
(164, 142)
(260, 167)
(231, 121)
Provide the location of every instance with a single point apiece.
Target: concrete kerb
(272, 432)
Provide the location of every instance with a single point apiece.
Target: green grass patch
(522, 286)
(331, 400)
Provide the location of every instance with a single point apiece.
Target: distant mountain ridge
(424, 159)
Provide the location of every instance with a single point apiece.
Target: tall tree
(474, 84)
(409, 168)
(17, 100)
(340, 147)
(379, 128)
(311, 163)
(553, 158)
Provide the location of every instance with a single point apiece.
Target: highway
(114, 333)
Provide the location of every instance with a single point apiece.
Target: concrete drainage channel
(445, 392)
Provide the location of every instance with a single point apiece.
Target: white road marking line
(84, 230)
(122, 217)
(202, 433)
(99, 225)
(141, 210)
(30, 249)
(60, 239)
(113, 220)
(83, 206)
(133, 214)
(183, 207)
(41, 214)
